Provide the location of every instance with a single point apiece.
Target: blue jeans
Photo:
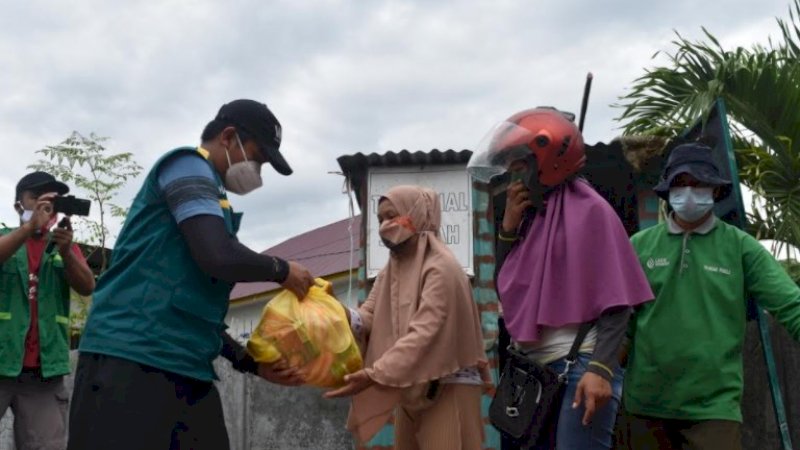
(570, 432)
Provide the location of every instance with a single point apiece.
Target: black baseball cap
(41, 183)
(697, 160)
(258, 121)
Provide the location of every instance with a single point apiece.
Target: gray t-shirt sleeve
(189, 186)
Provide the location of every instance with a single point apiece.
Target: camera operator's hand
(42, 213)
(299, 280)
(63, 236)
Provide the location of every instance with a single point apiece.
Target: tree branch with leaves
(88, 165)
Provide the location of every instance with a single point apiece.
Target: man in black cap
(34, 314)
(683, 383)
(145, 374)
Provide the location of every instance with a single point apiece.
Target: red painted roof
(324, 251)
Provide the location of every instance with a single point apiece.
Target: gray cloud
(342, 77)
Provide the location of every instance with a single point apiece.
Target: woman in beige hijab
(424, 355)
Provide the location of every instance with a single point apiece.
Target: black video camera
(69, 205)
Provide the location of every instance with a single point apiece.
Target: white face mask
(691, 203)
(244, 176)
(26, 215)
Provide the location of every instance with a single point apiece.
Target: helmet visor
(505, 143)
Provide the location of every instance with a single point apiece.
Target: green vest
(154, 305)
(15, 313)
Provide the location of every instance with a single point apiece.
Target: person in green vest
(145, 375)
(35, 287)
(683, 383)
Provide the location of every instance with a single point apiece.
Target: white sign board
(451, 182)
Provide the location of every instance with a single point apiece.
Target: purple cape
(573, 263)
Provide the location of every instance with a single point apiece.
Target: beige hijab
(423, 323)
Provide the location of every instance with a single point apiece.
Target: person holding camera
(145, 373)
(38, 269)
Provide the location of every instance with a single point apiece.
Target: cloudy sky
(342, 77)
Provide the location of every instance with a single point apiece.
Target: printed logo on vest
(717, 269)
(652, 263)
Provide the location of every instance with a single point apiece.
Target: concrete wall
(263, 416)
(260, 415)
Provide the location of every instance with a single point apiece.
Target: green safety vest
(15, 313)
(154, 305)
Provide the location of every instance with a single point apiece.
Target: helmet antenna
(585, 103)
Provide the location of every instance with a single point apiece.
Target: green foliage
(761, 88)
(78, 313)
(88, 166)
(793, 268)
(85, 163)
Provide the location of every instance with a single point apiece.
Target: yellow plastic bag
(313, 335)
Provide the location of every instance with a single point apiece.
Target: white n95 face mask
(244, 176)
(26, 215)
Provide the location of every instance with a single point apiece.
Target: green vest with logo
(15, 313)
(154, 305)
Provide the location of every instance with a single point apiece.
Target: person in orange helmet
(567, 277)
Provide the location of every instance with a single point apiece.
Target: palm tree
(761, 88)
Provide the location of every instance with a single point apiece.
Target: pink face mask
(396, 231)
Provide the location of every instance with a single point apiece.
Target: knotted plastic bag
(313, 335)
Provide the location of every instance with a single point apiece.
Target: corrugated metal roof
(350, 163)
(324, 251)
